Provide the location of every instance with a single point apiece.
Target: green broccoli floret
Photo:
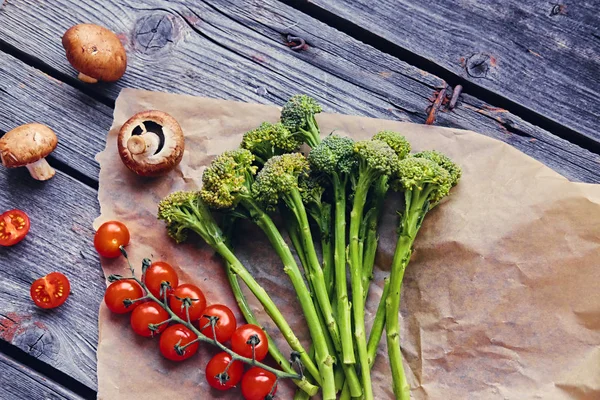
(270, 140)
(443, 161)
(279, 178)
(422, 179)
(298, 115)
(375, 158)
(228, 179)
(185, 211)
(396, 141)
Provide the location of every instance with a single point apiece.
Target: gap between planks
(385, 46)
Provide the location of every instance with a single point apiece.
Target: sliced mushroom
(151, 143)
(96, 52)
(27, 146)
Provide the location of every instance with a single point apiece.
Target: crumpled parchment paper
(501, 299)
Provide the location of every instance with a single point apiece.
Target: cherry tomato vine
(183, 336)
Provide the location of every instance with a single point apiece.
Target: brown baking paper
(500, 301)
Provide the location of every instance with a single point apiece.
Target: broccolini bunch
(331, 201)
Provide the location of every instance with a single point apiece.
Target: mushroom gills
(41, 170)
(146, 139)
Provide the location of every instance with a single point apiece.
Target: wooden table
(530, 73)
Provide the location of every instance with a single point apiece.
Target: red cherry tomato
(156, 274)
(197, 305)
(181, 335)
(226, 322)
(248, 333)
(109, 237)
(119, 291)
(145, 314)
(14, 226)
(258, 383)
(217, 366)
(50, 291)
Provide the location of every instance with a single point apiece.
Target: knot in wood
(478, 65)
(153, 32)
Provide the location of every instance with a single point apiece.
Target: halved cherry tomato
(160, 272)
(257, 384)
(226, 322)
(50, 291)
(14, 226)
(117, 292)
(217, 365)
(196, 298)
(241, 342)
(109, 237)
(146, 314)
(181, 335)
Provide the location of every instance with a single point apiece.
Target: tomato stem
(200, 336)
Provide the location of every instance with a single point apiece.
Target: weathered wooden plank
(61, 236)
(541, 54)
(80, 122)
(222, 49)
(20, 382)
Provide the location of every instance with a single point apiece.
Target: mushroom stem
(146, 143)
(41, 170)
(87, 79)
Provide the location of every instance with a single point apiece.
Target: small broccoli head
(175, 211)
(269, 140)
(424, 176)
(184, 211)
(334, 155)
(228, 178)
(279, 177)
(396, 141)
(298, 115)
(375, 158)
(312, 187)
(443, 161)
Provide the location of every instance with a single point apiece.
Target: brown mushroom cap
(95, 51)
(151, 143)
(26, 144)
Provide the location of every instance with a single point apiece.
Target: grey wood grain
(226, 50)
(20, 382)
(80, 122)
(61, 239)
(541, 54)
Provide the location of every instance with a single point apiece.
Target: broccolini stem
(327, 247)
(237, 268)
(378, 325)
(304, 385)
(409, 226)
(371, 239)
(317, 281)
(324, 360)
(392, 306)
(358, 304)
(375, 335)
(341, 287)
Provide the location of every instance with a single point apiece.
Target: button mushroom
(96, 52)
(151, 143)
(28, 145)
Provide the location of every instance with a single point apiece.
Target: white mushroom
(27, 146)
(151, 143)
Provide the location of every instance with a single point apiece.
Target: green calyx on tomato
(14, 226)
